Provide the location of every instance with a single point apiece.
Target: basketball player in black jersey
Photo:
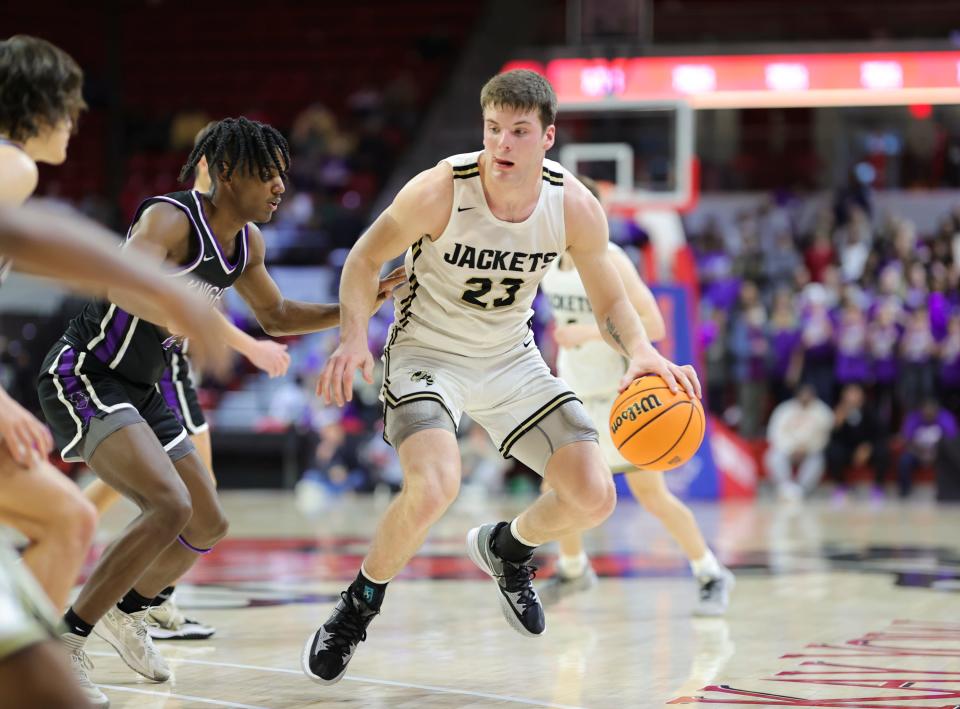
(165, 621)
(98, 386)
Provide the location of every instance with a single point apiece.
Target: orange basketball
(653, 428)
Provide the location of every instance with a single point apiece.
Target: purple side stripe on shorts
(73, 390)
(118, 324)
(169, 392)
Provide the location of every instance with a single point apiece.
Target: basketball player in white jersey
(166, 621)
(40, 101)
(593, 370)
(480, 230)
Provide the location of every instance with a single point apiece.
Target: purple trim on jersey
(228, 267)
(168, 390)
(73, 390)
(179, 205)
(111, 345)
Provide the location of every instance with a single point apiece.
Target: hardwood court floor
(853, 606)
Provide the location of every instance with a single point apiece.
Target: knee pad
(411, 417)
(567, 424)
(192, 548)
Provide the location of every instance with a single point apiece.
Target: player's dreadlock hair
(239, 143)
(40, 85)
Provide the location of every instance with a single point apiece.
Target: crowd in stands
(848, 331)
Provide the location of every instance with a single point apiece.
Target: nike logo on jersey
(208, 258)
(464, 209)
(493, 259)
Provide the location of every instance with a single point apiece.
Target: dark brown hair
(40, 85)
(523, 90)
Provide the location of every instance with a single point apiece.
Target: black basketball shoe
(327, 652)
(518, 599)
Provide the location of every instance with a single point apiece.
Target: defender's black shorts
(83, 404)
(178, 392)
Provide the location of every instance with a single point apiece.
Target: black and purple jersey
(139, 351)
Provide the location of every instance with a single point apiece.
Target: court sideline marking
(190, 697)
(368, 680)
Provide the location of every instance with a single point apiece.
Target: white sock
(573, 566)
(73, 641)
(706, 566)
(370, 578)
(516, 534)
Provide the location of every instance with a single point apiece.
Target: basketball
(654, 428)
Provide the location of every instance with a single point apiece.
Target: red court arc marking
(876, 688)
(338, 558)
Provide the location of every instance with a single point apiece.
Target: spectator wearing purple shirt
(917, 291)
(784, 335)
(925, 433)
(949, 365)
(853, 361)
(748, 343)
(715, 266)
(917, 350)
(883, 338)
(816, 341)
(714, 340)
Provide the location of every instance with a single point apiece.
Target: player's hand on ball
(676, 376)
(336, 380)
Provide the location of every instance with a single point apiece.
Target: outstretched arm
(420, 210)
(278, 315)
(267, 355)
(70, 248)
(586, 228)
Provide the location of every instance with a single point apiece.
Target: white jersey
(470, 290)
(593, 368)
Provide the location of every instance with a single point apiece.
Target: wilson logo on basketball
(641, 406)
